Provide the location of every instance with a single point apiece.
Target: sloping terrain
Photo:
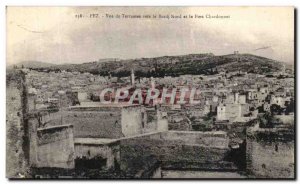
(194, 64)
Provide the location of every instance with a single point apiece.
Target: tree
(290, 106)
(268, 121)
(276, 109)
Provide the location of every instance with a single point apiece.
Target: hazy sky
(54, 35)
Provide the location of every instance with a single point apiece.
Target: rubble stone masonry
(17, 141)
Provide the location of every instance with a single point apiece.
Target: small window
(276, 147)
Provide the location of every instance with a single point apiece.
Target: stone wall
(51, 118)
(90, 150)
(270, 158)
(142, 151)
(33, 121)
(211, 139)
(17, 141)
(55, 147)
(162, 121)
(105, 122)
(135, 158)
(131, 120)
(95, 124)
(155, 120)
(179, 121)
(150, 121)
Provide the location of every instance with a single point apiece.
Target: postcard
(150, 92)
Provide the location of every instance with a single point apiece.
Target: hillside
(176, 65)
(31, 64)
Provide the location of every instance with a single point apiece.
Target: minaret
(152, 83)
(132, 78)
(283, 69)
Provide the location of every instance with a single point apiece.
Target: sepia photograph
(153, 93)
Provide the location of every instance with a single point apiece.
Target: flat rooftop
(94, 141)
(199, 132)
(99, 106)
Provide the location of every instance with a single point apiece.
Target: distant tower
(132, 79)
(236, 53)
(283, 69)
(152, 83)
